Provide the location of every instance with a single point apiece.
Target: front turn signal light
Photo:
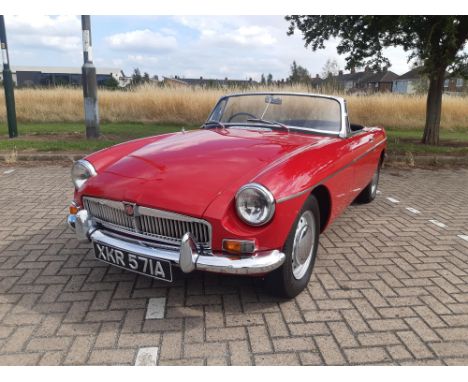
(239, 247)
(73, 209)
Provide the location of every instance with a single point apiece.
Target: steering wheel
(241, 113)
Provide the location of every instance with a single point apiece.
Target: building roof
(411, 75)
(316, 81)
(209, 81)
(384, 76)
(62, 69)
(355, 77)
(416, 74)
(201, 81)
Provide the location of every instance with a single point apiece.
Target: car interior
(332, 126)
(355, 127)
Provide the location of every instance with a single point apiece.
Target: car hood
(185, 172)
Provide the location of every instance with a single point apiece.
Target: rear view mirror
(272, 100)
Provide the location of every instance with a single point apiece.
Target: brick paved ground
(389, 287)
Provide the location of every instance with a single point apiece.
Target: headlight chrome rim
(269, 198)
(89, 168)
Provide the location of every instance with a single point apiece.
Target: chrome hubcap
(303, 246)
(375, 181)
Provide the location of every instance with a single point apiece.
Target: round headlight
(255, 205)
(81, 171)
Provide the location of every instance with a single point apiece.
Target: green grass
(452, 142)
(460, 134)
(46, 137)
(70, 136)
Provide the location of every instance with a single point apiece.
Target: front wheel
(300, 249)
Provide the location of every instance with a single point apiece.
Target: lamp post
(89, 82)
(8, 83)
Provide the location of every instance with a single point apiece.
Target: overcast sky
(236, 47)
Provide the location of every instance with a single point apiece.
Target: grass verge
(46, 137)
(452, 142)
(69, 137)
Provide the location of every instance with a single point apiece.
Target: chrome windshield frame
(344, 128)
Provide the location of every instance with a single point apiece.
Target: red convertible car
(248, 193)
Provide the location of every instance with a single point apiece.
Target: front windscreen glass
(310, 112)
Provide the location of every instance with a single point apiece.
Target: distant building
(414, 80)
(53, 76)
(208, 82)
(409, 82)
(317, 82)
(455, 85)
(353, 81)
(381, 81)
(365, 81)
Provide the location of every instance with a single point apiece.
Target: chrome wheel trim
(303, 245)
(375, 181)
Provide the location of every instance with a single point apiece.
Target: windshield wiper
(274, 123)
(212, 123)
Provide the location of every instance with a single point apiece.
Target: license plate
(156, 268)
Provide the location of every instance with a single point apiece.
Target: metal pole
(8, 83)
(89, 82)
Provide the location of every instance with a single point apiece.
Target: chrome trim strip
(100, 237)
(308, 189)
(145, 242)
(263, 262)
(286, 198)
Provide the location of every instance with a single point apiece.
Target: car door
(341, 181)
(364, 162)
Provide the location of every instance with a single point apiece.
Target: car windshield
(291, 110)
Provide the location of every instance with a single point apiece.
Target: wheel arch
(323, 196)
(383, 155)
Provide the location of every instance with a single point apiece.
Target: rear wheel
(300, 250)
(369, 193)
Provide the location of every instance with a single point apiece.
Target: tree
(330, 69)
(146, 77)
(437, 41)
(299, 74)
(137, 78)
(111, 83)
(269, 79)
(262, 79)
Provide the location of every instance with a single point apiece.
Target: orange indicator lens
(73, 209)
(239, 246)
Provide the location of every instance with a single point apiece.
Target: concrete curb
(30, 157)
(428, 160)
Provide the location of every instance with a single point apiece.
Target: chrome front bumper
(187, 258)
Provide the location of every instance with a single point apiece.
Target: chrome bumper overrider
(187, 257)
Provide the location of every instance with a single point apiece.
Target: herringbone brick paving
(389, 287)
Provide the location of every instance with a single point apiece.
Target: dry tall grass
(192, 106)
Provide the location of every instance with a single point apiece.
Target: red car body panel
(198, 173)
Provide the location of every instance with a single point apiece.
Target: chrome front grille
(109, 211)
(149, 223)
